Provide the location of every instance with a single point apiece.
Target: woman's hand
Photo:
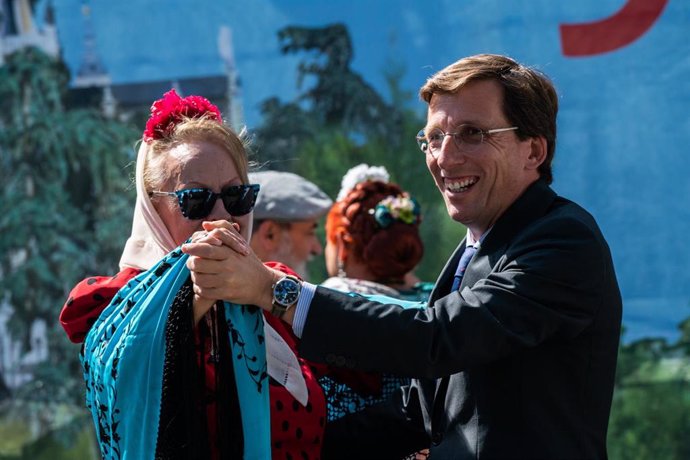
(202, 305)
(219, 231)
(229, 271)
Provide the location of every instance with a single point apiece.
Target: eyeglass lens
(465, 136)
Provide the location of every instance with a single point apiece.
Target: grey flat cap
(286, 196)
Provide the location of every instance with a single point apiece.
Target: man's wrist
(289, 315)
(285, 293)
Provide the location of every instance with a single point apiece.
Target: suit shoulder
(567, 227)
(569, 217)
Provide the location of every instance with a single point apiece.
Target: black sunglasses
(197, 203)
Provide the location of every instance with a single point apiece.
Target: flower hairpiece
(401, 208)
(361, 173)
(169, 110)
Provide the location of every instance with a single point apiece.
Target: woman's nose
(218, 212)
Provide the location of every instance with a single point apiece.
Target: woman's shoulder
(359, 286)
(87, 300)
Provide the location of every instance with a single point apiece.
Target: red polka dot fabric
(296, 430)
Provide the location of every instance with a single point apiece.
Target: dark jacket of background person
(521, 365)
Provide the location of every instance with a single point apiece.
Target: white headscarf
(150, 239)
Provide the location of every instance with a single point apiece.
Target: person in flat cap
(286, 217)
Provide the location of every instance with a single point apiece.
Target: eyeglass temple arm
(500, 130)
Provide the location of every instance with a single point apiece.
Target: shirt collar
(470, 241)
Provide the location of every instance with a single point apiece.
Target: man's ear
(268, 235)
(537, 153)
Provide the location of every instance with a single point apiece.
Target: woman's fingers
(209, 251)
(205, 293)
(228, 233)
(231, 239)
(205, 281)
(207, 266)
(205, 237)
(211, 224)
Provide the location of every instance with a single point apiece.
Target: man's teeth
(460, 186)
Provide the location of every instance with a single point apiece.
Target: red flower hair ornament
(171, 108)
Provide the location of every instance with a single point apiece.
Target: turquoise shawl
(125, 359)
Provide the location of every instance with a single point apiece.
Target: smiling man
(515, 354)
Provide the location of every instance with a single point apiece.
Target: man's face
(478, 185)
(298, 244)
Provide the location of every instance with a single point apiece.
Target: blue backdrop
(620, 67)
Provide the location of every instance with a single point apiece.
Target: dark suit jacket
(519, 363)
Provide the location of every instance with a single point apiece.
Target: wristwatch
(285, 294)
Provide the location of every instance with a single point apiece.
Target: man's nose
(449, 152)
(316, 247)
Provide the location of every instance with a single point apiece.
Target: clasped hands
(223, 267)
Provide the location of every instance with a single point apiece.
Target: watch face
(286, 292)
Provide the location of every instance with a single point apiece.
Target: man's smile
(458, 185)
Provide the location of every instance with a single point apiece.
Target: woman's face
(197, 164)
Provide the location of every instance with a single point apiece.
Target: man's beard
(285, 255)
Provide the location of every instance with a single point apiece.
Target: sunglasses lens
(196, 203)
(239, 199)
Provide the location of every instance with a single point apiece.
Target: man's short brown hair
(530, 101)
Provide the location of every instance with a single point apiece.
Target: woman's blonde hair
(202, 128)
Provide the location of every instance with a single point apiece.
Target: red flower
(169, 110)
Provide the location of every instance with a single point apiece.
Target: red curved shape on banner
(617, 31)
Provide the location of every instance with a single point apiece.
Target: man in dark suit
(515, 355)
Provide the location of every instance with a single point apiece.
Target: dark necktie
(462, 265)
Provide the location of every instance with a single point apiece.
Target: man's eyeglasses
(466, 138)
(197, 203)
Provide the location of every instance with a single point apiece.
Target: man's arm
(547, 285)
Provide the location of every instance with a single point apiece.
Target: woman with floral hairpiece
(372, 236)
(372, 247)
(167, 375)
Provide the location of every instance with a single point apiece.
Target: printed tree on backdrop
(64, 199)
(340, 120)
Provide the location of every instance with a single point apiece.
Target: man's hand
(229, 271)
